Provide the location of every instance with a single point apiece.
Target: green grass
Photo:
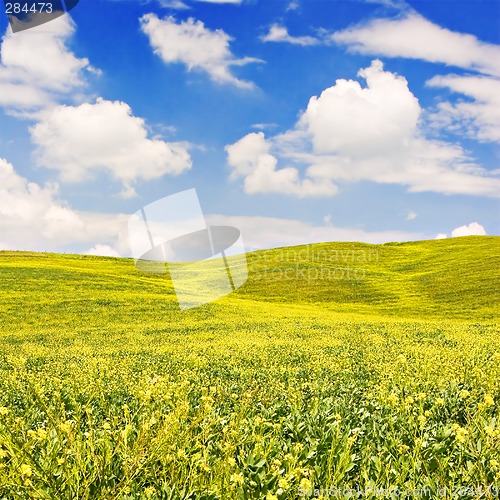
(292, 382)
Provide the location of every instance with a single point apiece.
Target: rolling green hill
(335, 365)
(457, 277)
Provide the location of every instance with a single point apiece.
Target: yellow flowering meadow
(109, 391)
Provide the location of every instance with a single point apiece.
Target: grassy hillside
(458, 277)
(299, 380)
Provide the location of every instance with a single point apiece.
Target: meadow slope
(338, 365)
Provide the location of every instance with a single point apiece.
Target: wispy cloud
(414, 37)
(278, 33)
(199, 48)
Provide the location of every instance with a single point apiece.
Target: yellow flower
(439, 401)
(283, 483)
(3, 410)
(305, 484)
(237, 478)
(421, 419)
(270, 496)
(460, 434)
(494, 464)
(149, 491)
(409, 400)
(403, 449)
(26, 470)
(488, 400)
(401, 359)
(490, 430)
(65, 427)
(464, 393)
(427, 413)
(298, 447)
(393, 398)
(422, 396)
(496, 356)
(42, 433)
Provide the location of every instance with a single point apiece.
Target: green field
(339, 365)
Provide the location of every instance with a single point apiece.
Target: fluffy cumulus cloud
(199, 48)
(37, 67)
(250, 158)
(352, 133)
(77, 141)
(473, 229)
(278, 33)
(413, 36)
(360, 122)
(32, 217)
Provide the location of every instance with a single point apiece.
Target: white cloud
(271, 232)
(102, 250)
(37, 67)
(352, 133)
(414, 37)
(32, 217)
(360, 121)
(221, 1)
(79, 140)
(293, 5)
(473, 229)
(180, 5)
(411, 215)
(263, 126)
(327, 219)
(250, 158)
(279, 33)
(174, 4)
(479, 119)
(199, 48)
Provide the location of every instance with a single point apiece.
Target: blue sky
(296, 121)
